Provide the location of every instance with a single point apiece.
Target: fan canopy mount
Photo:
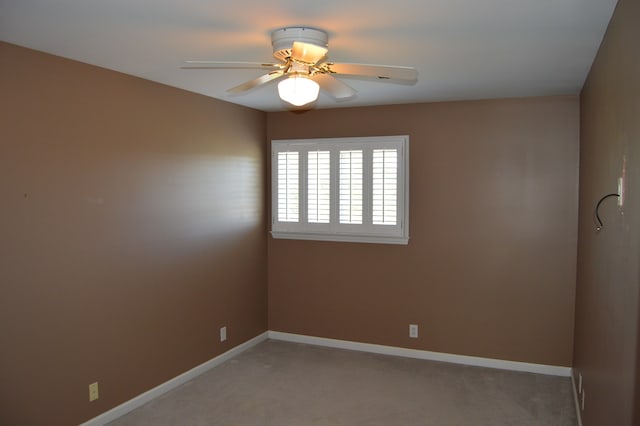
(283, 39)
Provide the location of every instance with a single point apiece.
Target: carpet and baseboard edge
(165, 387)
(576, 399)
(550, 370)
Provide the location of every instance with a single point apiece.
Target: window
(348, 189)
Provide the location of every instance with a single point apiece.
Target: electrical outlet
(413, 331)
(93, 391)
(223, 334)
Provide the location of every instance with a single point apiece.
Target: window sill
(373, 239)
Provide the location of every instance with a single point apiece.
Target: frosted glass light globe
(298, 90)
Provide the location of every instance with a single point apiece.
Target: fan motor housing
(283, 38)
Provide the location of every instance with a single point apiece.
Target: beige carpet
(278, 383)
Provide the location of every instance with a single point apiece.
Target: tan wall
(131, 227)
(490, 267)
(608, 289)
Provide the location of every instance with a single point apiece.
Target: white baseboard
(551, 370)
(576, 399)
(147, 396)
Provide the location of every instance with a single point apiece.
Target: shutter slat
(385, 186)
(318, 187)
(351, 186)
(288, 186)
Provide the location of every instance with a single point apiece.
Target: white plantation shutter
(288, 187)
(319, 186)
(385, 187)
(347, 189)
(351, 195)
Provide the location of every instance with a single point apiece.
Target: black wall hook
(600, 224)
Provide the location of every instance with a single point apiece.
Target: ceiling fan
(303, 68)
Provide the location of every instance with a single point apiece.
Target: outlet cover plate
(413, 331)
(93, 391)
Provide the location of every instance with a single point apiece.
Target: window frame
(334, 231)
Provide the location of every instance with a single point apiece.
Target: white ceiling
(463, 49)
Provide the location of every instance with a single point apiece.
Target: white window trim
(385, 234)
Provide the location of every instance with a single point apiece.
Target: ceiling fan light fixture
(298, 90)
(303, 68)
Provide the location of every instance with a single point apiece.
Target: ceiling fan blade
(307, 53)
(274, 75)
(333, 86)
(393, 74)
(229, 65)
